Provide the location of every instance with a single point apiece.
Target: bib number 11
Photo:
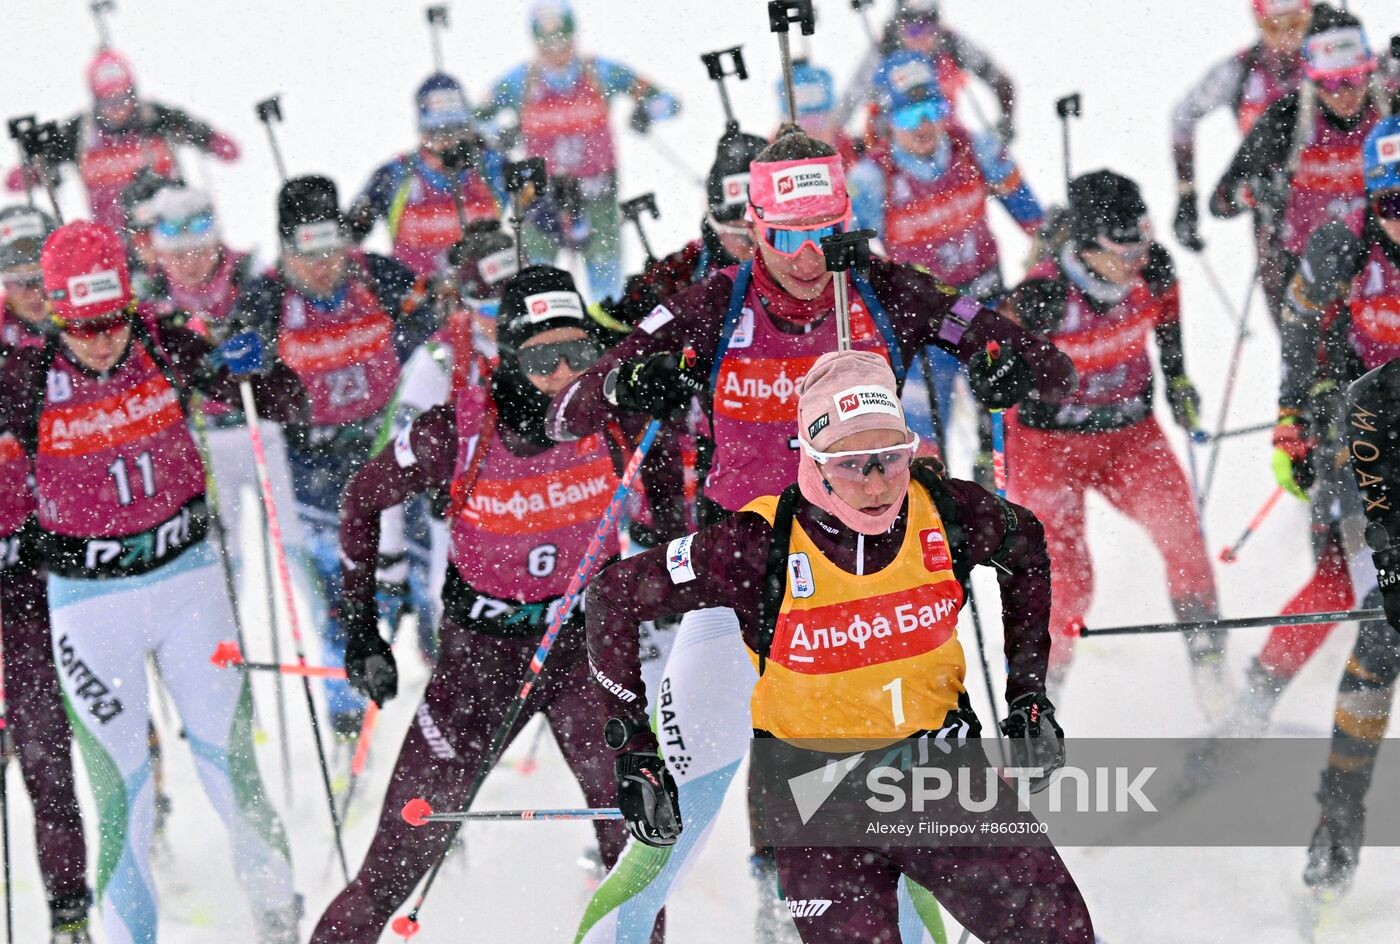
(122, 478)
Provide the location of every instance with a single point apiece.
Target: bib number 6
(541, 560)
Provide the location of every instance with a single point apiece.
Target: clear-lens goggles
(856, 465)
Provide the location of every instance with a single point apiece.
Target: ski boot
(1214, 694)
(1336, 845)
(771, 924)
(282, 925)
(68, 919)
(1254, 704)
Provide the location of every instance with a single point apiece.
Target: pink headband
(811, 188)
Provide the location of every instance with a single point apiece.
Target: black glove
(648, 798)
(1388, 572)
(369, 663)
(641, 118)
(638, 299)
(1036, 738)
(1332, 259)
(999, 377)
(1185, 403)
(661, 385)
(1187, 223)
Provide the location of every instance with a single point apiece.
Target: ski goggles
(856, 465)
(198, 225)
(1387, 205)
(541, 360)
(909, 117)
(1341, 81)
(789, 240)
(92, 327)
(1130, 245)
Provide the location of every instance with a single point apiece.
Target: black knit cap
(523, 315)
(1327, 17)
(308, 199)
(735, 152)
(1103, 203)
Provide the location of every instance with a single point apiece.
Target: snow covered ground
(347, 71)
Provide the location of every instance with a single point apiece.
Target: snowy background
(346, 71)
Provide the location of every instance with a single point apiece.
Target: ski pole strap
(1299, 619)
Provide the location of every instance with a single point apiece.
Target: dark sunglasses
(91, 329)
(542, 360)
(1387, 205)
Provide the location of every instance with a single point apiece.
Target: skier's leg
(837, 895)
(466, 699)
(99, 640)
(319, 479)
(703, 724)
(603, 252)
(1004, 895)
(1146, 482)
(215, 706)
(1364, 701)
(1046, 473)
(576, 711)
(42, 736)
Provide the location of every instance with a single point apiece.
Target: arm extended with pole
(407, 925)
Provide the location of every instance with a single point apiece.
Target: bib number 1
(896, 690)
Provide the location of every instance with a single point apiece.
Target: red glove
(222, 147)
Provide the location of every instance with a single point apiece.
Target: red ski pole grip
(404, 926)
(416, 812)
(227, 654)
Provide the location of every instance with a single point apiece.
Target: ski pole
(1300, 619)
(17, 126)
(1232, 433)
(227, 655)
(5, 794)
(1066, 108)
(1229, 554)
(418, 812)
(781, 14)
(36, 140)
(407, 925)
(437, 22)
(1216, 286)
(677, 162)
(216, 519)
(269, 111)
(843, 252)
(361, 756)
(525, 180)
(714, 65)
(100, 9)
(1231, 376)
(632, 211)
(279, 550)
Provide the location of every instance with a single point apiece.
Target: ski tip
(416, 812)
(226, 654)
(405, 927)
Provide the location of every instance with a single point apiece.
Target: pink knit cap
(848, 392)
(809, 188)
